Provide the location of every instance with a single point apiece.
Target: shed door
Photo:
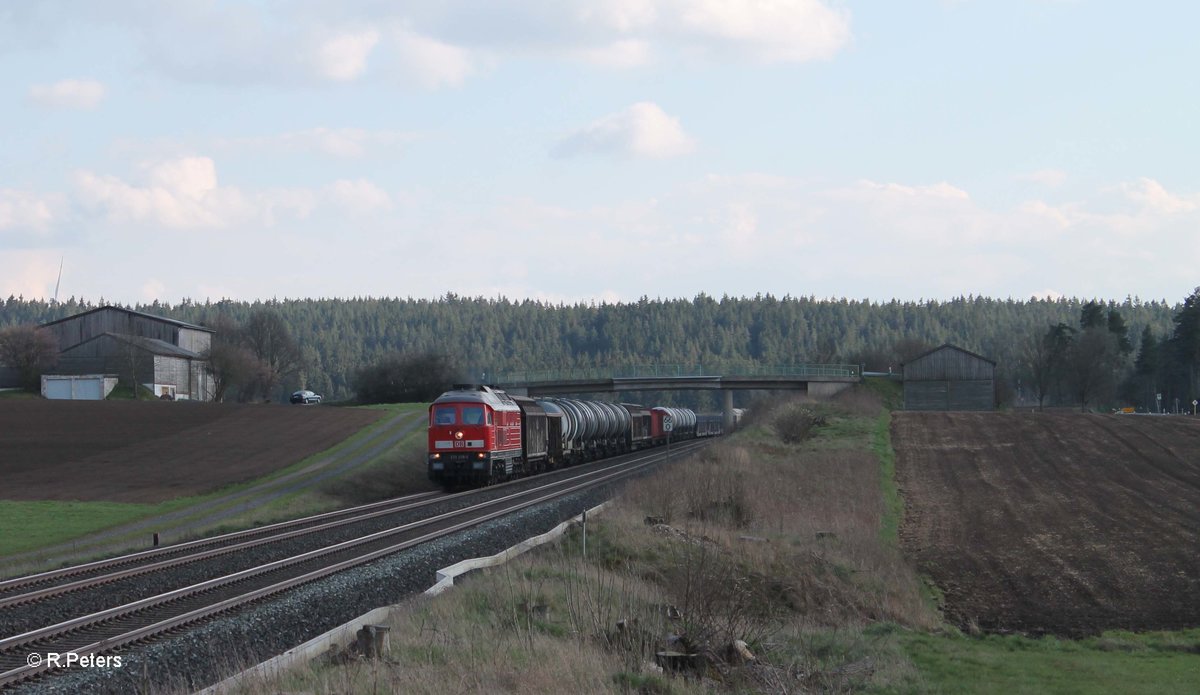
(89, 389)
(58, 389)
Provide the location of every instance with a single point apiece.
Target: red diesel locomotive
(480, 435)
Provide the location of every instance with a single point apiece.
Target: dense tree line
(337, 338)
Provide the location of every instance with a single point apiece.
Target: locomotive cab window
(444, 415)
(489, 417)
(472, 415)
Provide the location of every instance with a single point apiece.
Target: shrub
(796, 423)
(400, 378)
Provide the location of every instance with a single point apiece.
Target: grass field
(30, 525)
(1155, 663)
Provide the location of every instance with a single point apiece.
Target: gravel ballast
(206, 654)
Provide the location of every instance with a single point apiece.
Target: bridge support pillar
(727, 411)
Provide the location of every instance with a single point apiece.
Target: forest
(1035, 342)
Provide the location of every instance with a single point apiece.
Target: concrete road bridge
(815, 379)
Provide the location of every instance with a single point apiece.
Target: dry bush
(502, 632)
(795, 423)
(708, 487)
(812, 520)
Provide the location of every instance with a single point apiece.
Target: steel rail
(227, 544)
(41, 638)
(17, 583)
(200, 555)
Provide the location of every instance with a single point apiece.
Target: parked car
(306, 397)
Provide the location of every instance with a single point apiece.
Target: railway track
(44, 585)
(141, 620)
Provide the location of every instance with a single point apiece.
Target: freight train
(480, 435)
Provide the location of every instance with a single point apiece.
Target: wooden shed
(164, 355)
(73, 330)
(949, 378)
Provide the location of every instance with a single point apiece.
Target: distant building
(949, 378)
(161, 354)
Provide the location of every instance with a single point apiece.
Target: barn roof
(944, 346)
(163, 319)
(151, 345)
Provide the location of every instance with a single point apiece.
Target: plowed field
(127, 451)
(1054, 523)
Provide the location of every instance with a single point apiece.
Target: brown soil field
(150, 451)
(1066, 524)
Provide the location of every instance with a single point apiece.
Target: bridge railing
(672, 370)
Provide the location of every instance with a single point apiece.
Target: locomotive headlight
(435, 456)
(479, 455)
(458, 434)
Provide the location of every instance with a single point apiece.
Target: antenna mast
(59, 281)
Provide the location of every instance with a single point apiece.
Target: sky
(605, 150)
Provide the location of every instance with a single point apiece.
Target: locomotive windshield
(472, 415)
(444, 415)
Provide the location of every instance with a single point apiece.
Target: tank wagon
(480, 435)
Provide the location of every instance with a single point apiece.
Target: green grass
(18, 394)
(1113, 663)
(842, 431)
(893, 505)
(890, 391)
(124, 392)
(31, 525)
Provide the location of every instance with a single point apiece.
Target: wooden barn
(949, 378)
(162, 354)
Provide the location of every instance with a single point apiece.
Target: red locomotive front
(474, 436)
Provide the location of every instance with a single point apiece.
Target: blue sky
(602, 150)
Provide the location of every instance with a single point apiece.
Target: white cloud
(769, 30)
(153, 289)
(343, 57)
(184, 193)
(189, 177)
(68, 94)
(21, 210)
(428, 62)
(336, 142)
(434, 45)
(899, 192)
(29, 273)
(642, 130)
(359, 196)
(1061, 217)
(625, 53)
(622, 16)
(1152, 196)
(752, 232)
(761, 30)
(1051, 178)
